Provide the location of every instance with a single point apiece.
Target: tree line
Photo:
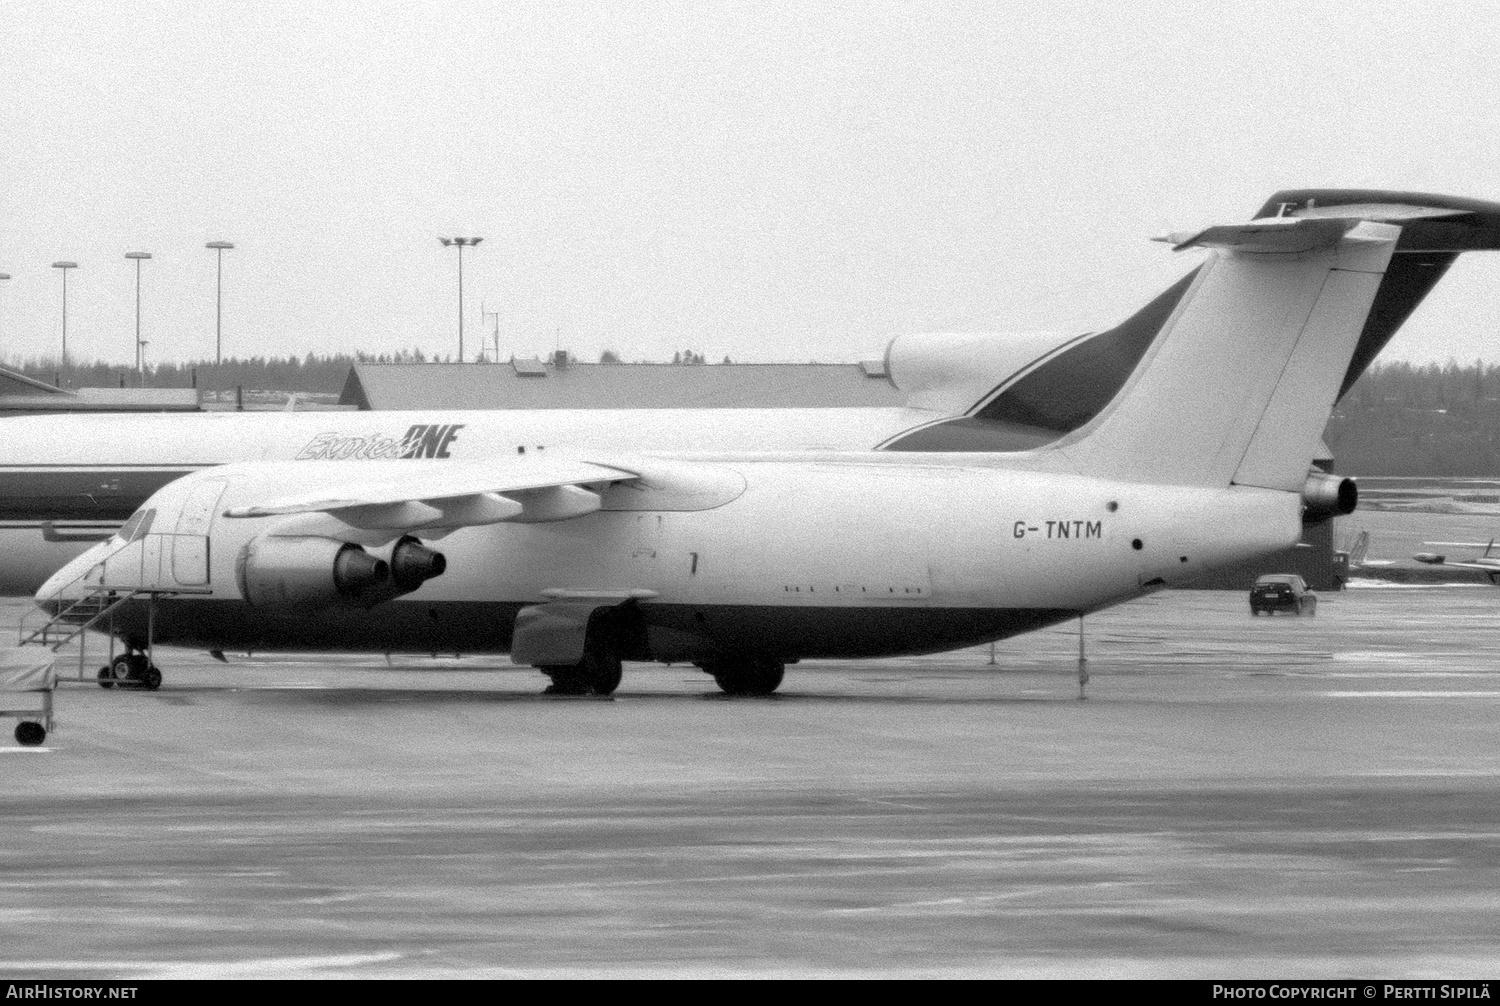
(310, 374)
(1427, 420)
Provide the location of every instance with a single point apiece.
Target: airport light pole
(4, 276)
(489, 316)
(140, 373)
(460, 242)
(65, 266)
(220, 247)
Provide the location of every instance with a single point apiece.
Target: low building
(22, 395)
(534, 384)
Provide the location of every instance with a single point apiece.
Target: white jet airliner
(1031, 480)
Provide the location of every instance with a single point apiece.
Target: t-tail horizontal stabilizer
(1434, 230)
(1277, 323)
(1285, 235)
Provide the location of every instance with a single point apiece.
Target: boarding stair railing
(75, 608)
(79, 615)
(86, 602)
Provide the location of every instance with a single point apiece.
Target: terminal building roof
(533, 384)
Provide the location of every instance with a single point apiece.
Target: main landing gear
(745, 676)
(598, 673)
(130, 670)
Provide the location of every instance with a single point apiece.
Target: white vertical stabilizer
(1239, 383)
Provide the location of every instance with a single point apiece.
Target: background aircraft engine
(308, 574)
(1326, 496)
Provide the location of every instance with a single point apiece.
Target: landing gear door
(190, 564)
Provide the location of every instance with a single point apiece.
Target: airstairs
(92, 607)
(92, 604)
(82, 614)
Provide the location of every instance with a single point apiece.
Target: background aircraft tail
(1282, 318)
(1358, 549)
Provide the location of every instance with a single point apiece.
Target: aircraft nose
(58, 583)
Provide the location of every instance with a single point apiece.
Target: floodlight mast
(65, 266)
(140, 373)
(4, 275)
(220, 247)
(460, 243)
(494, 316)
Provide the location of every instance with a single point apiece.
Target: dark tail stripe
(1057, 396)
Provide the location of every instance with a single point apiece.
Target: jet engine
(413, 564)
(307, 574)
(951, 372)
(1325, 496)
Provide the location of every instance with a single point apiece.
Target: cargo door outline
(126, 566)
(154, 548)
(190, 545)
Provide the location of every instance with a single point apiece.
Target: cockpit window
(137, 527)
(129, 529)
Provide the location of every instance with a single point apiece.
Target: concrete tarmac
(1281, 797)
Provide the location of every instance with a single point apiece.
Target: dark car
(1282, 592)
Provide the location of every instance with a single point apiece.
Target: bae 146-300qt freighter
(1032, 479)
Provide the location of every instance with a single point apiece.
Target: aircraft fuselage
(790, 559)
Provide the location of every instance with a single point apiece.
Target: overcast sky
(763, 181)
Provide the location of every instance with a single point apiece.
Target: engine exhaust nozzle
(356, 571)
(413, 564)
(1326, 496)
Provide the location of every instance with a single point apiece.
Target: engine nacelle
(951, 372)
(1325, 496)
(308, 574)
(413, 564)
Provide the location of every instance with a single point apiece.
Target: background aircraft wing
(1464, 544)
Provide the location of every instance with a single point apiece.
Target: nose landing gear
(130, 670)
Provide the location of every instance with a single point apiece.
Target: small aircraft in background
(1487, 562)
(1353, 557)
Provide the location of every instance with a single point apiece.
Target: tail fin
(1238, 384)
(1361, 546)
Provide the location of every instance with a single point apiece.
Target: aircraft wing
(1464, 544)
(1492, 566)
(398, 496)
(1488, 562)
